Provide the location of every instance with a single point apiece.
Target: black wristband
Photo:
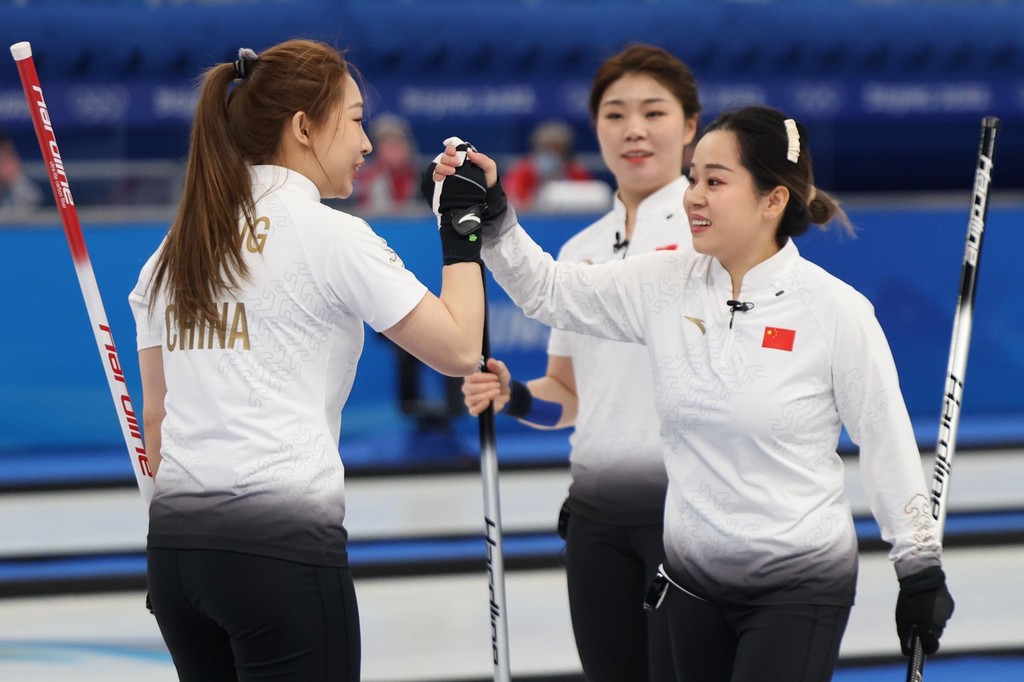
(520, 400)
(457, 248)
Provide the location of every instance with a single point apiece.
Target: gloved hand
(924, 606)
(460, 203)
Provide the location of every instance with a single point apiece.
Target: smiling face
(340, 145)
(642, 130)
(729, 218)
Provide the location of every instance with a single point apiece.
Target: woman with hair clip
(250, 324)
(644, 107)
(759, 358)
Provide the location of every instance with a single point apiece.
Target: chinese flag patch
(779, 339)
(667, 247)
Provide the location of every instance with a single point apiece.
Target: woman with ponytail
(759, 358)
(250, 325)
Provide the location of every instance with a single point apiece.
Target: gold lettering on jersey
(239, 327)
(228, 331)
(256, 236)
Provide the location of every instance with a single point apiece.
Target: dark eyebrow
(717, 166)
(649, 100)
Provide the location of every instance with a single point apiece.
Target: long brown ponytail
(237, 125)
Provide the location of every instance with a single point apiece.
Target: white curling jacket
(250, 442)
(751, 413)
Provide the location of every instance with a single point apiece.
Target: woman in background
(645, 107)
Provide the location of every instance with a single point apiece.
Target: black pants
(231, 616)
(716, 643)
(608, 570)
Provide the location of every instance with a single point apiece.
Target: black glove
(497, 203)
(460, 204)
(924, 606)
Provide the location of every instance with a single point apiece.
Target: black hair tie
(246, 61)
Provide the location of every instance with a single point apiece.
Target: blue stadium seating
(875, 82)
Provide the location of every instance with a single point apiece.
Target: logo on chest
(778, 338)
(698, 322)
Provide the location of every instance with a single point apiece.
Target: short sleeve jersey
(617, 460)
(250, 456)
(751, 405)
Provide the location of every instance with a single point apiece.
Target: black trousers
(724, 643)
(608, 569)
(228, 616)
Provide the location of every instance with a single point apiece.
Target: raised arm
(446, 332)
(599, 300)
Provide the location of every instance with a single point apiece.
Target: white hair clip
(793, 135)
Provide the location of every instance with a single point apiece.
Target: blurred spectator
(19, 196)
(389, 182)
(550, 160)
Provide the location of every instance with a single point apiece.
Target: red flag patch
(779, 339)
(667, 247)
